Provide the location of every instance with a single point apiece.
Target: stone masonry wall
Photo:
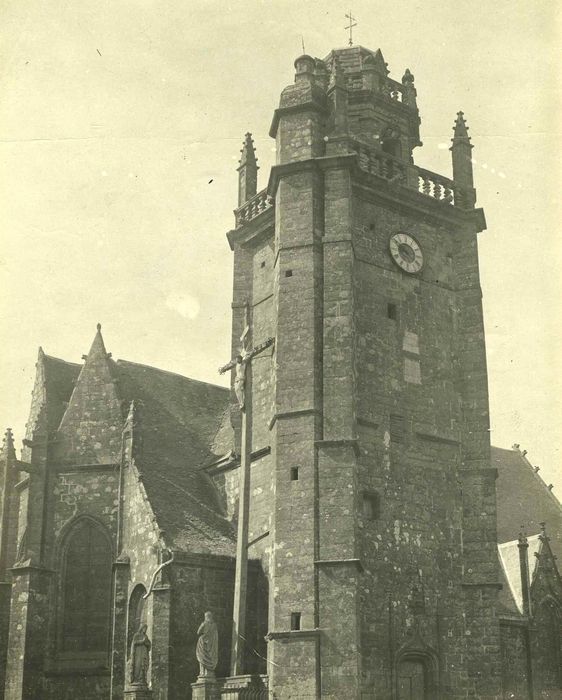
(408, 428)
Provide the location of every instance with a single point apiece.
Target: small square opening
(392, 311)
(371, 506)
(262, 264)
(295, 621)
(288, 273)
(294, 473)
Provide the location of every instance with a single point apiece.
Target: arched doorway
(412, 680)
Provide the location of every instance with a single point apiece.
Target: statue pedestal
(137, 692)
(206, 688)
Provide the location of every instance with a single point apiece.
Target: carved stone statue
(207, 646)
(240, 380)
(139, 659)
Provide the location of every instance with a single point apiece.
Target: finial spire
(336, 75)
(98, 346)
(8, 438)
(462, 163)
(248, 151)
(352, 23)
(8, 449)
(409, 92)
(337, 94)
(247, 171)
(460, 130)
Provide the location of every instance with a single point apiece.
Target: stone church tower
(381, 535)
(368, 498)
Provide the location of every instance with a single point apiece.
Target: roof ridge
(59, 359)
(167, 371)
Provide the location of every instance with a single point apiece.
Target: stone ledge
(343, 442)
(437, 438)
(293, 634)
(294, 414)
(340, 562)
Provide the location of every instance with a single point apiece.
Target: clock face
(406, 252)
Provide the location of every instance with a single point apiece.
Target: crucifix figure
(352, 23)
(242, 364)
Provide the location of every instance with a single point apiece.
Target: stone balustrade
(443, 189)
(381, 164)
(259, 203)
(396, 171)
(394, 90)
(436, 186)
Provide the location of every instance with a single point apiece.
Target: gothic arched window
(86, 589)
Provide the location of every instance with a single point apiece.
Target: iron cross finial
(352, 23)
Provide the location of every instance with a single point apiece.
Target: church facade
(375, 499)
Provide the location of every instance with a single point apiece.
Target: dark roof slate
(176, 421)
(524, 500)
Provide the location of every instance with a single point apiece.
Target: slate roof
(176, 423)
(60, 377)
(181, 425)
(524, 500)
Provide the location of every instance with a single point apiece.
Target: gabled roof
(176, 425)
(524, 500)
(181, 425)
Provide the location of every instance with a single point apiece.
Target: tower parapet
(347, 104)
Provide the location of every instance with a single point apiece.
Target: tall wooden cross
(242, 364)
(352, 23)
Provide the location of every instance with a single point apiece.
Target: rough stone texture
(372, 531)
(369, 404)
(198, 586)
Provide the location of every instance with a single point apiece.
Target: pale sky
(120, 129)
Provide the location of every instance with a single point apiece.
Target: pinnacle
(336, 76)
(8, 444)
(98, 347)
(407, 78)
(460, 129)
(248, 151)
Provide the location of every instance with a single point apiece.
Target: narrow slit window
(371, 506)
(397, 428)
(294, 473)
(262, 264)
(392, 311)
(295, 621)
